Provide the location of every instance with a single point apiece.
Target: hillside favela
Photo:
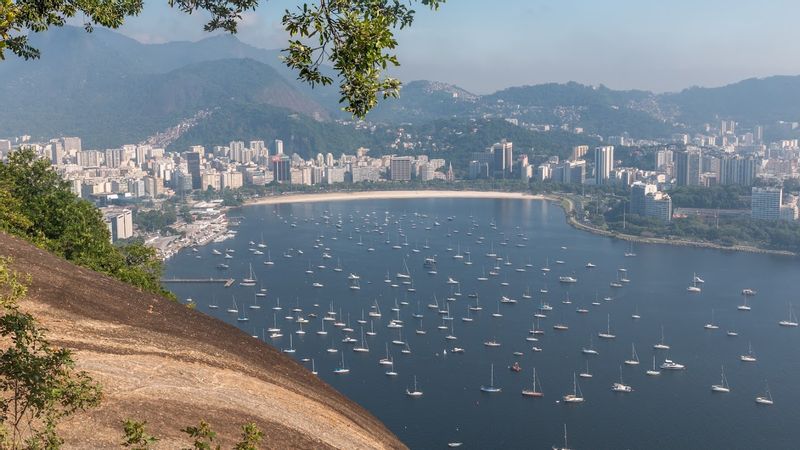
(420, 224)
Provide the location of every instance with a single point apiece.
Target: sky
(487, 45)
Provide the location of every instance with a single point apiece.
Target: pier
(227, 281)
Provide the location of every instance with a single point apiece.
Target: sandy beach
(389, 195)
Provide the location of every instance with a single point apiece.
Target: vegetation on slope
(37, 205)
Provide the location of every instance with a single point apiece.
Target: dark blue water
(673, 410)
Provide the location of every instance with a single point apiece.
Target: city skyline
(542, 42)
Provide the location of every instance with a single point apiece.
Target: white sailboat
(565, 447)
(653, 372)
(590, 350)
(766, 398)
(250, 280)
(415, 392)
(586, 374)
(694, 288)
(576, 396)
(661, 345)
(634, 361)
(233, 309)
(711, 325)
(791, 321)
(342, 369)
(291, 346)
(607, 334)
(723, 386)
(750, 356)
(621, 386)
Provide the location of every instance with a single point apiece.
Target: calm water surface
(673, 410)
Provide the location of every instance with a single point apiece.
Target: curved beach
(390, 195)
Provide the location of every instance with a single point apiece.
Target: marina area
(490, 322)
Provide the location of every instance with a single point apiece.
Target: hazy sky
(485, 45)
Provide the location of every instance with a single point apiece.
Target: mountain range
(111, 90)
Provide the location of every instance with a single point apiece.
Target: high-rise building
(278, 147)
(758, 134)
(258, 148)
(765, 203)
(400, 168)
(688, 167)
(727, 127)
(658, 205)
(639, 192)
(735, 169)
(502, 158)
(579, 151)
(120, 224)
(113, 157)
(89, 158)
(603, 164)
(72, 145)
(663, 158)
(281, 165)
(193, 165)
(478, 169)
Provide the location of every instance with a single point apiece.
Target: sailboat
(630, 253)
(565, 447)
(468, 317)
(338, 267)
(406, 274)
(233, 309)
(388, 359)
(634, 361)
(533, 392)
(243, 317)
(693, 288)
(711, 325)
(621, 386)
(607, 334)
(586, 374)
(291, 346)
(653, 372)
(661, 345)
(255, 304)
(371, 331)
(744, 306)
(250, 280)
(577, 395)
(341, 370)
(723, 384)
(415, 392)
(269, 262)
(322, 331)
(750, 356)
(213, 303)
(766, 398)
(589, 350)
(792, 321)
(492, 389)
(313, 367)
(497, 314)
(391, 372)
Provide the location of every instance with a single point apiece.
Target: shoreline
(575, 223)
(390, 195)
(565, 203)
